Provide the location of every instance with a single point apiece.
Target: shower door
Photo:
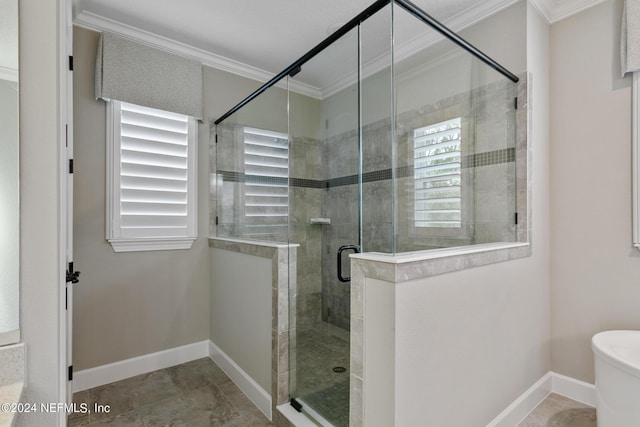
(325, 220)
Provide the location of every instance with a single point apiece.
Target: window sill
(143, 245)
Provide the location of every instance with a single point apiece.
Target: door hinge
(216, 138)
(216, 220)
(515, 102)
(70, 373)
(296, 405)
(516, 218)
(70, 165)
(72, 276)
(70, 63)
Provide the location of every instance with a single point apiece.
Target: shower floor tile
(197, 393)
(319, 350)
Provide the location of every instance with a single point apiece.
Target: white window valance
(132, 72)
(630, 40)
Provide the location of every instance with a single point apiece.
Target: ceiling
(260, 38)
(267, 35)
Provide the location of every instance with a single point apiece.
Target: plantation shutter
(266, 162)
(437, 164)
(155, 191)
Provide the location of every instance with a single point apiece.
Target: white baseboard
(254, 392)
(550, 383)
(105, 374)
(524, 404)
(574, 389)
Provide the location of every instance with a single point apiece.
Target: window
(266, 168)
(151, 179)
(437, 163)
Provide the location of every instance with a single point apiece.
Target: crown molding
(477, 13)
(544, 7)
(557, 10)
(565, 8)
(94, 22)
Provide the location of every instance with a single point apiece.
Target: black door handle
(355, 249)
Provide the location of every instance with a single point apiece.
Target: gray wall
(129, 304)
(594, 267)
(241, 289)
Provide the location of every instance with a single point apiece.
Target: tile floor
(198, 393)
(560, 411)
(194, 394)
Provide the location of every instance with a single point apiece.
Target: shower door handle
(355, 249)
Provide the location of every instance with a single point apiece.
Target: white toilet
(617, 363)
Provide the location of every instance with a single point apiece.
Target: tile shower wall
(305, 202)
(488, 169)
(340, 203)
(305, 198)
(488, 180)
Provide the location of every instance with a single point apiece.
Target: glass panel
(378, 201)
(455, 137)
(410, 145)
(324, 167)
(252, 155)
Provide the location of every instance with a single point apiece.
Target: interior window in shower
(266, 190)
(437, 172)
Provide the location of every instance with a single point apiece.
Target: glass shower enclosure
(407, 144)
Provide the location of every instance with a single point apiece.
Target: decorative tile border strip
(507, 155)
